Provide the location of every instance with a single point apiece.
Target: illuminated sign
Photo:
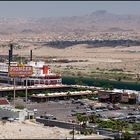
(20, 71)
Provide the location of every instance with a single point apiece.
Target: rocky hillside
(98, 21)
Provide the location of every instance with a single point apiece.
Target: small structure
(4, 103)
(8, 111)
(127, 97)
(114, 96)
(108, 96)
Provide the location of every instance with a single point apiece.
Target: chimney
(11, 52)
(9, 57)
(31, 55)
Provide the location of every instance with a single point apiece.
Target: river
(101, 83)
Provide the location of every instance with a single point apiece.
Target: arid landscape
(116, 57)
(100, 62)
(69, 70)
(31, 130)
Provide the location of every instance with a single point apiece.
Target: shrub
(71, 132)
(19, 106)
(126, 136)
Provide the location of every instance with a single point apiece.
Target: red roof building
(4, 101)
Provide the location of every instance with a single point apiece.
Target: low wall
(60, 124)
(7, 113)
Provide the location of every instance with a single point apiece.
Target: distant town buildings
(8, 111)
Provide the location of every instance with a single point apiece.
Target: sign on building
(20, 71)
(125, 97)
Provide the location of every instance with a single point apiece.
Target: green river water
(101, 83)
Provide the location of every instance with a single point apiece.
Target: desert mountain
(98, 21)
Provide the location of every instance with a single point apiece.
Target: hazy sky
(65, 8)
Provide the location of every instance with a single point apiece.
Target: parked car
(91, 111)
(11, 119)
(5, 118)
(35, 111)
(99, 110)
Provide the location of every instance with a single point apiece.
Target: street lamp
(26, 92)
(73, 132)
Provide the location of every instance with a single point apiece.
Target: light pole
(14, 91)
(26, 92)
(73, 132)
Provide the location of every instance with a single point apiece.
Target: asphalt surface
(62, 110)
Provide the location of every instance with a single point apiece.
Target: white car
(35, 110)
(11, 119)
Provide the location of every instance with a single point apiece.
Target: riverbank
(112, 74)
(100, 83)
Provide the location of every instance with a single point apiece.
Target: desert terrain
(31, 130)
(116, 62)
(99, 62)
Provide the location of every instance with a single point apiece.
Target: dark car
(130, 113)
(5, 118)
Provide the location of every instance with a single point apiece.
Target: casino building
(41, 74)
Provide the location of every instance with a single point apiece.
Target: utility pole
(26, 92)
(73, 132)
(14, 91)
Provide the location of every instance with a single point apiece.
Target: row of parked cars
(85, 109)
(9, 119)
(49, 117)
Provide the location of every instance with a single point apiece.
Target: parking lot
(62, 110)
(65, 110)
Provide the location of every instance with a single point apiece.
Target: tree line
(94, 43)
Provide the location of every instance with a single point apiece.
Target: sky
(37, 9)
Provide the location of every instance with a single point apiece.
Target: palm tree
(85, 119)
(136, 128)
(79, 117)
(93, 118)
(82, 120)
(127, 136)
(120, 125)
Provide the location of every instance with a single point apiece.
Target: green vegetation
(87, 131)
(16, 46)
(82, 118)
(107, 86)
(19, 106)
(79, 81)
(126, 136)
(116, 70)
(136, 128)
(101, 82)
(130, 51)
(117, 74)
(116, 125)
(20, 94)
(96, 43)
(19, 59)
(43, 91)
(71, 132)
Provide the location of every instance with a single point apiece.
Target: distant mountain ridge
(98, 21)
